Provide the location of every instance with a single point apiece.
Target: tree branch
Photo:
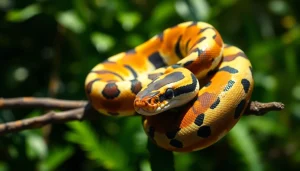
(79, 114)
(259, 109)
(82, 110)
(45, 103)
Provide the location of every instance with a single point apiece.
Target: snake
(188, 85)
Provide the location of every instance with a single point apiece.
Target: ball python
(189, 86)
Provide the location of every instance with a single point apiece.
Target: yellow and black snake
(190, 87)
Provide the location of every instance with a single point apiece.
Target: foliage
(48, 47)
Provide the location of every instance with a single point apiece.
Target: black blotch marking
(202, 30)
(239, 109)
(214, 36)
(131, 70)
(208, 84)
(229, 69)
(204, 131)
(176, 143)
(154, 76)
(215, 104)
(175, 66)
(172, 134)
(157, 60)
(246, 85)
(187, 88)
(187, 63)
(170, 78)
(211, 72)
(110, 91)
(241, 54)
(229, 85)
(136, 86)
(147, 92)
(131, 52)
(151, 132)
(90, 85)
(199, 51)
(199, 41)
(177, 48)
(199, 119)
(108, 72)
(187, 46)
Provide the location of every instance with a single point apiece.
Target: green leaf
(102, 42)
(161, 13)
(243, 143)
(70, 20)
(105, 152)
(267, 126)
(3, 166)
(36, 146)
(23, 14)
(196, 10)
(56, 157)
(129, 20)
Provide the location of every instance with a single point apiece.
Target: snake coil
(186, 67)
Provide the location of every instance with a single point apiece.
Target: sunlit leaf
(193, 9)
(3, 166)
(70, 20)
(102, 42)
(162, 12)
(266, 126)
(36, 146)
(23, 14)
(129, 20)
(278, 6)
(56, 157)
(105, 152)
(242, 142)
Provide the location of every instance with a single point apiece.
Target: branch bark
(45, 103)
(82, 110)
(259, 108)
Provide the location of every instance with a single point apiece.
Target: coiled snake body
(190, 87)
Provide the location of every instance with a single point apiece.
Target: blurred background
(47, 47)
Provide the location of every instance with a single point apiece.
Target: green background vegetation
(47, 47)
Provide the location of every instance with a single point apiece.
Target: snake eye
(169, 93)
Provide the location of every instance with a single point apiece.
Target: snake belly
(224, 73)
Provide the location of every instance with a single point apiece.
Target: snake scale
(189, 86)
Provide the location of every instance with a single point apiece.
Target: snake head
(168, 91)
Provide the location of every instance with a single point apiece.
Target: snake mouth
(148, 109)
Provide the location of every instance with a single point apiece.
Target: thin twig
(79, 114)
(259, 109)
(35, 102)
(81, 110)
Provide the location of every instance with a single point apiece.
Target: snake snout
(138, 103)
(145, 102)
